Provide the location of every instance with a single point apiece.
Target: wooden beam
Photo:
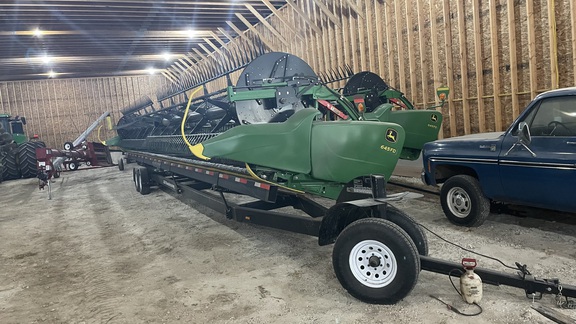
(478, 63)
(327, 12)
(217, 38)
(411, 47)
(256, 32)
(379, 37)
(280, 17)
(495, 65)
(389, 46)
(353, 33)
(209, 42)
(345, 35)
(423, 65)
(553, 38)
(435, 60)
(304, 16)
(354, 7)
(169, 76)
(267, 24)
(361, 30)
(370, 27)
(205, 49)
(399, 47)
(573, 20)
(449, 62)
(202, 57)
(513, 63)
(238, 31)
(532, 61)
(225, 33)
(463, 65)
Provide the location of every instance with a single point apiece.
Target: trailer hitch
(534, 287)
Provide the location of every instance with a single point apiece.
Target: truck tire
(463, 202)
(27, 158)
(409, 225)
(9, 166)
(376, 261)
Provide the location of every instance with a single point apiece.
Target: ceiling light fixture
(151, 70)
(37, 32)
(191, 33)
(46, 59)
(167, 56)
(52, 74)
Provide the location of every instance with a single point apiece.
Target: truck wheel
(136, 176)
(376, 261)
(121, 164)
(463, 201)
(409, 225)
(9, 166)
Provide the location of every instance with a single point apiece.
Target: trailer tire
(9, 166)
(143, 181)
(360, 249)
(410, 226)
(121, 164)
(68, 146)
(136, 176)
(27, 158)
(73, 166)
(463, 202)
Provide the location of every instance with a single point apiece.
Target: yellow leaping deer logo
(391, 135)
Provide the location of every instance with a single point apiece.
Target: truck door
(545, 179)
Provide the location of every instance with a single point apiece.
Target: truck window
(554, 117)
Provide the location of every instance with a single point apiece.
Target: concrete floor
(99, 252)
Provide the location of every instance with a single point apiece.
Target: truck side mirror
(524, 133)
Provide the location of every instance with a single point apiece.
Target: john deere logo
(391, 135)
(434, 118)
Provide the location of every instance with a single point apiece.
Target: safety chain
(564, 302)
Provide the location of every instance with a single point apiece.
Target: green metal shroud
(337, 151)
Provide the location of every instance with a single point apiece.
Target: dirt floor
(99, 252)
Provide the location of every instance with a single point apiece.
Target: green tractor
(17, 153)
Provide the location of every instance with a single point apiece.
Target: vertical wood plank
(532, 48)
(379, 37)
(345, 33)
(494, 53)
(478, 63)
(449, 62)
(59, 118)
(463, 65)
(354, 44)
(435, 60)
(400, 47)
(423, 53)
(370, 28)
(361, 25)
(411, 47)
(554, 77)
(389, 43)
(513, 60)
(573, 20)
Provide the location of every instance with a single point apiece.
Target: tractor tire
(10, 170)
(27, 158)
(376, 261)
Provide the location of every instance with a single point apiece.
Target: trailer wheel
(68, 146)
(143, 181)
(409, 225)
(376, 261)
(463, 202)
(73, 165)
(121, 164)
(56, 175)
(136, 176)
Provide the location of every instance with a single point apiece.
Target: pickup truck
(533, 163)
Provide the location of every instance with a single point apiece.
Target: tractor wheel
(463, 202)
(409, 225)
(376, 261)
(27, 158)
(9, 166)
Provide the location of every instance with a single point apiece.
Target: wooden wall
(494, 55)
(60, 110)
